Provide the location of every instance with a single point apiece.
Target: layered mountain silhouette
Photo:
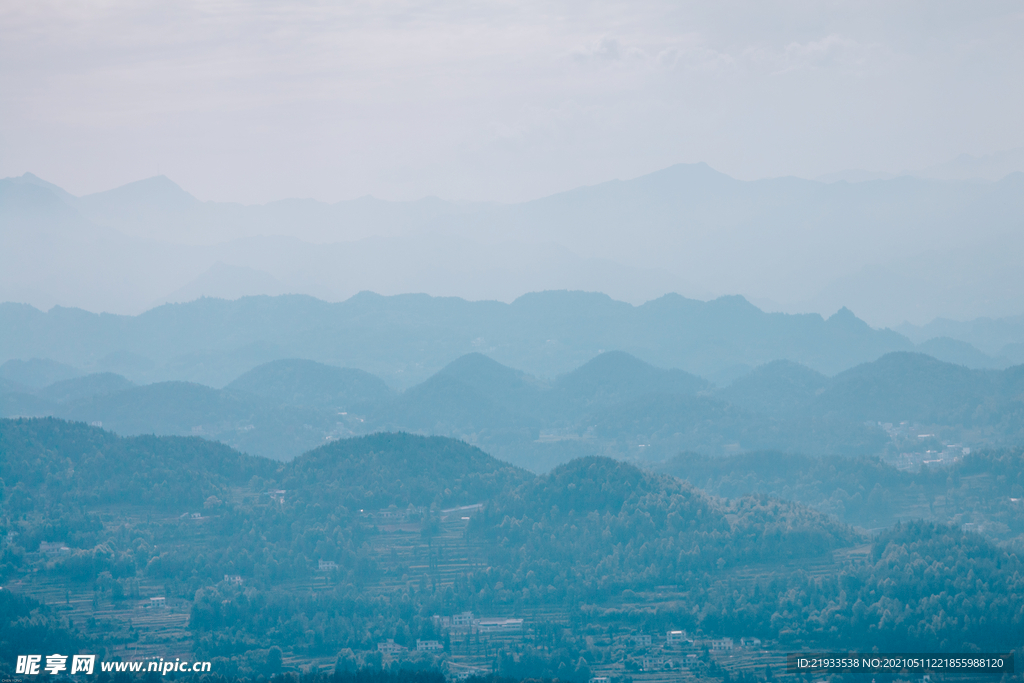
(615, 404)
(405, 339)
(893, 250)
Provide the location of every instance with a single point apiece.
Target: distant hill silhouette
(450, 406)
(405, 339)
(37, 372)
(491, 377)
(308, 384)
(961, 353)
(778, 388)
(908, 386)
(614, 404)
(616, 377)
(253, 425)
(686, 228)
(87, 386)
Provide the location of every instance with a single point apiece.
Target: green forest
(367, 539)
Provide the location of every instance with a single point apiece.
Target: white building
(675, 638)
(429, 645)
(491, 625)
(721, 644)
(461, 621)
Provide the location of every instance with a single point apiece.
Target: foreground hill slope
(605, 523)
(50, 462)
(278, 554)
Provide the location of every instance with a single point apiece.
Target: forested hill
(48, 463)
(279, 554)
(399, 469)
(606, 526)
(615, 404)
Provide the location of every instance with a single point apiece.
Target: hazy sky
(256, 101)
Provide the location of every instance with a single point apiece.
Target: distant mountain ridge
(405, 339)
(893, 250)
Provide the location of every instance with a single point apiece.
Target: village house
(455, 622)
(720, 645)
(675, 638)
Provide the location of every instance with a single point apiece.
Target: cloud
(608, 49)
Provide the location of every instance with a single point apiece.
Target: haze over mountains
(406, 339)
(891, 250)
(614, 405)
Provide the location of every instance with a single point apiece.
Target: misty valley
(563, 488)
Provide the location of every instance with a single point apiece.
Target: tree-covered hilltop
(862, 491)
(398, 469)
(599, 526)
(52, 465)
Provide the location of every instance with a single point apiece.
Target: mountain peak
(35, 181)
(156, 192)
(846, 318)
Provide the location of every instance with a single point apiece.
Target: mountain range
(615, 404)
(894, 250)
(407, 338)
